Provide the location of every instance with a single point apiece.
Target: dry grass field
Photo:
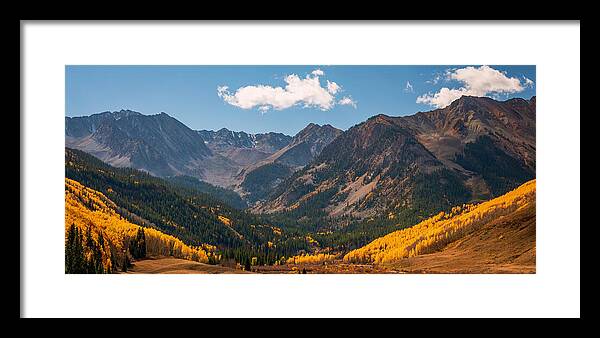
(170, 265)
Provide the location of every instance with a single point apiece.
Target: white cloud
(347, 100)
(263, 109)
(409, 87)
(333, 87)
(528, 82)
(317, 72)
(305, 91)
(442, 98)
(222, 90)
(476, 82)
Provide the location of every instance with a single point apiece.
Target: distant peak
(473, 100)
(314, 130)
(470, 102)
(162, 114)
(379, 118)
(116, 114)
(314, 126)
(127, 112)
(272, 133)
(469, 98)
(123, 113)
(309, 127)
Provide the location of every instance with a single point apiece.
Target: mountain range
(474, 149)
(162, 146)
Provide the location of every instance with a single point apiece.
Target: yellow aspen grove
(311, 259)
(434, 233)
(89, 209)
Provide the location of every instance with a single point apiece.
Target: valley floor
(170, 265)
(335, 267)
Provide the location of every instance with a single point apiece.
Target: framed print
(249, 166)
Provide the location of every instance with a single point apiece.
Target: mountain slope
(106, 235)
(500, 231)
(493, 139)
(506, 245)
(226, 196)
(265, 160)
(259, 179)
(413, 166)
(305, 146)
(181, 211)
(157, 144)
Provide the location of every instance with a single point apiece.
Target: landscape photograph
(300, 169)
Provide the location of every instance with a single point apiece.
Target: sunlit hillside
(435, 233)
(311, 259)
(108, 241)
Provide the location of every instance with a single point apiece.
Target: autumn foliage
(438, 231)
(110, 236)
(311, 259)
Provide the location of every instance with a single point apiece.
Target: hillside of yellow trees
(311, 259)
(513, 212)
(108, 239)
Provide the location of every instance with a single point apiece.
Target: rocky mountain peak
(124, 113)
(314, 131)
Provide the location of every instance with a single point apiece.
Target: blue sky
(270, 98)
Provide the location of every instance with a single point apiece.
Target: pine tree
(94, 264)
(69, 250)
(142, 242)
(74, 257)
(126, 263)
